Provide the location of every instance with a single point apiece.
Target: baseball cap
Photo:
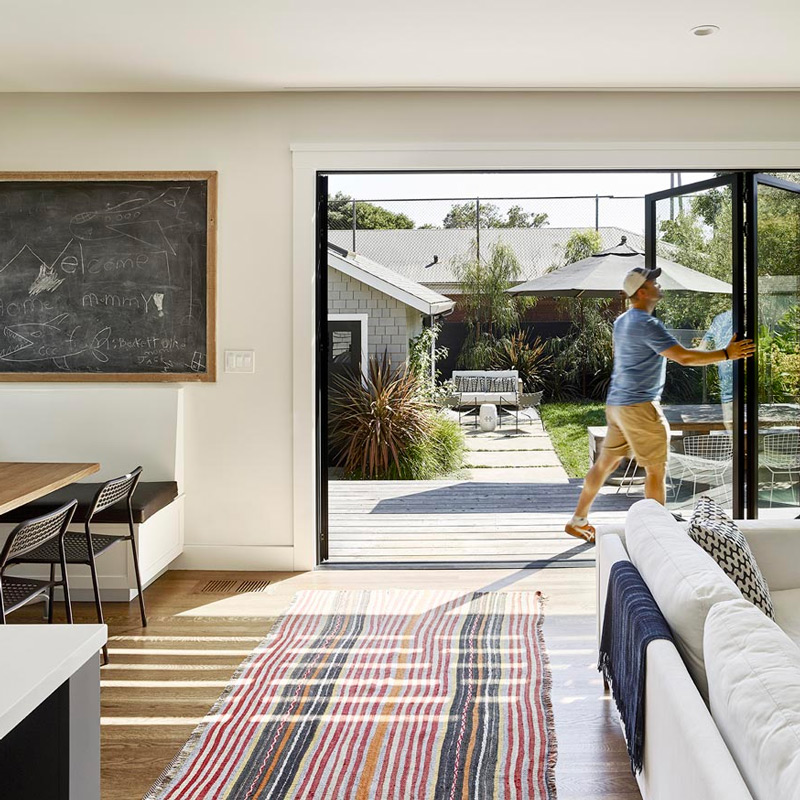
(636, 278)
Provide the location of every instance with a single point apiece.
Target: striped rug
(382, 694)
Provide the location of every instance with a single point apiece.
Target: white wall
(239, 479)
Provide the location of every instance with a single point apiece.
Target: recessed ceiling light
(705, 30)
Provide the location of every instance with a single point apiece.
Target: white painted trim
(364, 320)
(498, 147)
(236, 557)
(309, 158)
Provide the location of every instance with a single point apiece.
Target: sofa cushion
(787, 612)
(718, 535)
(684, 580)
(148, 497)
(754, 689)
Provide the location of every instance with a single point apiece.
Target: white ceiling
(269, 45)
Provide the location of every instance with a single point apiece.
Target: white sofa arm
(685, 757)
(610, 549)
(776, 547)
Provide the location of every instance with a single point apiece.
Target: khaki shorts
(641, 428)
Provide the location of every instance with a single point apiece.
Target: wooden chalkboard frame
(210, 375)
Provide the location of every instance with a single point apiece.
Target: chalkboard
(107, 276)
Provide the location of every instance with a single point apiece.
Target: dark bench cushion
(148, 498)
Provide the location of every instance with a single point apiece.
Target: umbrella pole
(583, 359)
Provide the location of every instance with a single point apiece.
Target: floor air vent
(232, 587)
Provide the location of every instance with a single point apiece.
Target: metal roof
(386, 280)
(409, 251)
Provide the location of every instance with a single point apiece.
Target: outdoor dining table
(705, 417)
(24, 481)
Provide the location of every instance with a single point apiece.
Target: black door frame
(740, 306)
(321, 368)
(744, 184)
(752, 181)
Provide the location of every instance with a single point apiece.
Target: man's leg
(654, 487)
(595, 478)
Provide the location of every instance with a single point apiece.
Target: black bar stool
(83, 548)
(30, 536)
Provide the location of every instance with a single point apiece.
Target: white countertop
(36, 659)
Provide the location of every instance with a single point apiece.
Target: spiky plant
(527, 357)
(375, 419)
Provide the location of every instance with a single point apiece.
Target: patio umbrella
(601, 275)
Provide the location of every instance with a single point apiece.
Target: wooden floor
(163, 679)
(461, 521)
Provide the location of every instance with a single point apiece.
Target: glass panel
(778, 246)
(695, 252)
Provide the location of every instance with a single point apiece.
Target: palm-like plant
(527, 357)
(374, 419)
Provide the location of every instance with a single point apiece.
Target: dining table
(706, 417)
(24, 481)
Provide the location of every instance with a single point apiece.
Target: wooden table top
(23, 481)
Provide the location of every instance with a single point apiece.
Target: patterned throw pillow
(718, 535)
(504, 384)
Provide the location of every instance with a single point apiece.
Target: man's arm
(698, 357)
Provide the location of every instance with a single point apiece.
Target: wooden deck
(461, 522)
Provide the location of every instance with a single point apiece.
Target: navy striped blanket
(632, 620)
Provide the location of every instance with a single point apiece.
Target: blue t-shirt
(717, 337)
(639, 371)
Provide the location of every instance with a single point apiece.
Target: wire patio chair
(706, 460)
(781, 456)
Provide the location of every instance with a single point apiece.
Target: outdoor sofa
(722, 704)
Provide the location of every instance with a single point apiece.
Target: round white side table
(487, 417)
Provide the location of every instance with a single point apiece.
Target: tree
(368, 215)
(489, 311)
(582, 244)
(463, 215)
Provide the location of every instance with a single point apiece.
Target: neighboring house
(429, 255)
(373, 309)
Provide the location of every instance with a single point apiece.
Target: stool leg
(96, 585)
(65, 585)
(51, 593)
(136, 565)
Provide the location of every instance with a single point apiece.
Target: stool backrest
(31, 534)
(113, 491)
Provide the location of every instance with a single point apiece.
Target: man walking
(635, 420)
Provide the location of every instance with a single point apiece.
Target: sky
(624, 213)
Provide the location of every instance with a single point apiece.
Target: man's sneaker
(585, 532)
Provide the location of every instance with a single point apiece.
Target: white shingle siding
(389, 320)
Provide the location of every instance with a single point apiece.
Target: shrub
(582, 360)
(439, 453)
(381, 427)
(419, 358)
(528, 358)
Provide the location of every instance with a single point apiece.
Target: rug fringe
(164, 779)
(547, 688)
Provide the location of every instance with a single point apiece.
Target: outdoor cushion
(754, 690)
(148, 498)
(684, 580)
(718, 535)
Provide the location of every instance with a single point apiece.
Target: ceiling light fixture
(705, 30)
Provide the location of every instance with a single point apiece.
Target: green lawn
(567, 423)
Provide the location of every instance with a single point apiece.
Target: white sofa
(486, 390)
(743, 743)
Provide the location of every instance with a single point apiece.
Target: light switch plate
(240, 361)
